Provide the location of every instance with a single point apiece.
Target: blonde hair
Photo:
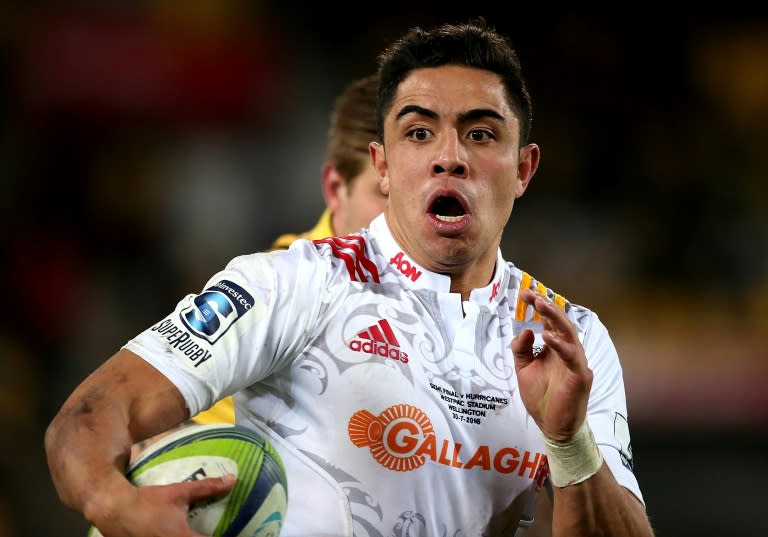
(353, 127)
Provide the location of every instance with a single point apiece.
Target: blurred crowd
(142, 145)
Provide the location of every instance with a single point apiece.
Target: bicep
(136, 392)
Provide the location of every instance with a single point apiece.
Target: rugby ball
(254, 507)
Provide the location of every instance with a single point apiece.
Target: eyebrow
(481, 113)
(416, 109)
(477, 113)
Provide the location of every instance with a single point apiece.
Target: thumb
(522, 348)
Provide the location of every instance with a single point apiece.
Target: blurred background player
(350, 189)
(350, 184)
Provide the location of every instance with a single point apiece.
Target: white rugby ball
(255, 507)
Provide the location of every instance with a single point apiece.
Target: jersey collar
(416, 276)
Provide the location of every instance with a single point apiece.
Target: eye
(480, 135)
(419, 134)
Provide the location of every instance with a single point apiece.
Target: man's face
(450, 164)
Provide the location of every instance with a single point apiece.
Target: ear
(379, 162)
(526, 167)
(334, 188)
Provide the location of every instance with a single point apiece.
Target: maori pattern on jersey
(487, 368)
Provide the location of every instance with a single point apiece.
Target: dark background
(144, 144)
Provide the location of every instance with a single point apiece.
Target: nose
(451, 156)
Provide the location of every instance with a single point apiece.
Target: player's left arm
(555, 386)
(598, 506)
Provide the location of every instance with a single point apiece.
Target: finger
(563, 347)
(212, 486)
(527, 296)
(553, 318)
(522, 348)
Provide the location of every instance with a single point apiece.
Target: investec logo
(379, 339)
(402, 439)
(214, 311)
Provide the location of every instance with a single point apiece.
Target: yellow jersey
(224, 410)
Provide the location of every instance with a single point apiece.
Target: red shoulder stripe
(348, 261)
(357, 244)
(358, 266)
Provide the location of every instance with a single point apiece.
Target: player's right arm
(89, 441)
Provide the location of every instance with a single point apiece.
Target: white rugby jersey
(393, 405)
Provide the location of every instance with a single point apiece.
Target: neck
(463, 282)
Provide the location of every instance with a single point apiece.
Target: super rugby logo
(215, 310)
(402, 439)
(379, 339)
(182, 341)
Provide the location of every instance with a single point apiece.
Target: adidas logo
(379, 339)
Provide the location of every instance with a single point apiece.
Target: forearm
(87, 444)
(588, 501)
(598, 506)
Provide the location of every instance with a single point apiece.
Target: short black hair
(471, 44)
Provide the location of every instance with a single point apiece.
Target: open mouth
(447, 209)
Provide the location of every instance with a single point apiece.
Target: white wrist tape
(575, 460)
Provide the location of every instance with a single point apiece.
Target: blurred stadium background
(144, 144)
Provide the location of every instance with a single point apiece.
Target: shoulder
(593, 334)
(349, 258)
(520, 279)
(351, 255)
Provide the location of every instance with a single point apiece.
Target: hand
(158, 511)
(555, 384)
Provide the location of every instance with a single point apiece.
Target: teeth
(448, 218)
